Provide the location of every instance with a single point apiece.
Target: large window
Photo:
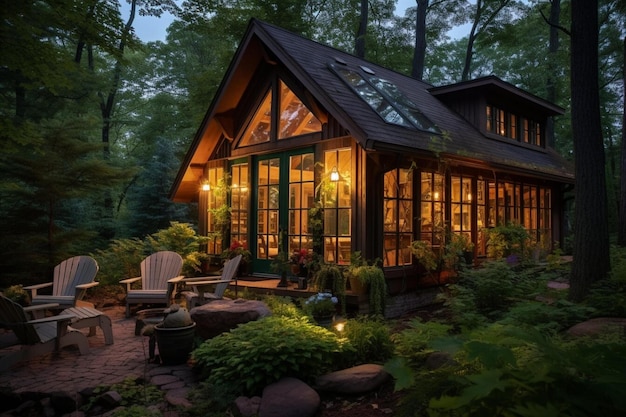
(514, 126)
(337, 203)
(215, 188)
(461, 205)
(293, 118)
(239, 204)
(398, 212)
(432, 207)
(301, 199)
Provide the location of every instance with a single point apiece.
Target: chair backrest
(229, 272)
(72, 272)
(12, 316)
(158, 268)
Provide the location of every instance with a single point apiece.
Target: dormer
(500, 110)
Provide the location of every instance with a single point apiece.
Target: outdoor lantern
(206, 186)
(334, 175)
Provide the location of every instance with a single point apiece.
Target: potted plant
(175, 335)
(239, 248)
(372, 279)
(330, 278)
(322, 307)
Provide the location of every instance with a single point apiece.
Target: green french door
(284, 190)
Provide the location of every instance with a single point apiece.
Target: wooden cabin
(312, 148)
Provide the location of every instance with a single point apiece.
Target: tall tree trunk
(359, 47)
(553, 48)
(471, 38)
(419, 54)
(591, 232)
(621, 229)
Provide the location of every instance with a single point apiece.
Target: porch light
(334, 175)
(339, 325)
(206, 186)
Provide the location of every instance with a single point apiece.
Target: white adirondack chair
(36, 337)
(71, 279)
(199, 297)
(157, 272)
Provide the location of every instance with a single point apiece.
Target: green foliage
(282, 306)
(608, 296)
(136, 411)
(424, 253)
(261, 352)
(517, 372)
(133, 392)
(503, 241)
(331, 278)
(370, 338)
(372, 278)
(413, 343)
(123, 257)
(487, 292)
(549, 318)
(18, 294)
(210, 400)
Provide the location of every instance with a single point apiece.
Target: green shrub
(18, 294)
(134, 392)
(261, 352)
(413, 342)
(370, 339)
(547, 318)
(122, 259)
(486, 293)
(283, 306)
(519, 372)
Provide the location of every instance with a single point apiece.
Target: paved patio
(69, 371)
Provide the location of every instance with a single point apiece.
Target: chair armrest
(59, 318)
(33, 288)
(36, 311)
(88, 285)
(129, 281)
(176, 280)
(172, 285)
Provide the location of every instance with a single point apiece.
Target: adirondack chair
(199, 297)
(37, 337)
(71, 279)
(157, 270)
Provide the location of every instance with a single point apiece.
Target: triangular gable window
(259, 129)
(295, 118)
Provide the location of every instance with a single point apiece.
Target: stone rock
(247, 407)
(220, 316)
(110, 399)
(355, 380)
(64, 402)
(598, 326)
(289, 397)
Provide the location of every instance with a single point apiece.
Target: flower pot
(175, 343)
(356, 286)
(324, 321)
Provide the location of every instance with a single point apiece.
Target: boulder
(220, 316)
(597, 326)
(289, 397)
(356, 380)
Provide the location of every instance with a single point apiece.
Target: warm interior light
(206, 186)
(436, 195)
(334, 175)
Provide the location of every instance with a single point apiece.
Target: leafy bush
(519, 372)
(134, 392)
(370, 339)
(18, 294)
(282, 306)
(123, 257)
(548, 318)
(261, 352)
(486, 293)
(413, 343)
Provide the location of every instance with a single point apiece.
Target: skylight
(386, 99)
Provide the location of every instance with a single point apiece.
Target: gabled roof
(308, 62)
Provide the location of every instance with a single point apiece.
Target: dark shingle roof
(309, 62)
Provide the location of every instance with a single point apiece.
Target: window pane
(258, 131)
(295, 118)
